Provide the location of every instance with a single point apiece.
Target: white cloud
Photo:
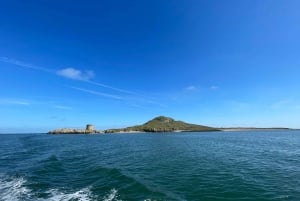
(13, 102)
(191, 88)
(70, 73)
(62, 107)
(75, 74)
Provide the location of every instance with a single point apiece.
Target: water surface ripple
(147, 167)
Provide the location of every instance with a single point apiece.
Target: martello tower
(90, 128)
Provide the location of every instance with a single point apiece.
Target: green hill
(164, 124)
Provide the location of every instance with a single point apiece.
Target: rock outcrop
(90, 129)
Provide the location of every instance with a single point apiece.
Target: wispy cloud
(62, 107)
(70, 73)
(86, 76)
(26, 102)
(14, 102)
(97, 93)
(24, 65)
(198, 88)
(112, 88)
(213, 87)
(76, 74)
(191, 88)
(83, 76)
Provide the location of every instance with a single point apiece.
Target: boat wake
(15, 189)
(81, 195)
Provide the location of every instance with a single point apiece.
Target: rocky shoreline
(90, 129)
(73, 131)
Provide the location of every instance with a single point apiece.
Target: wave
(112, 196)
(81, 195)
(84, 194)
(15, 189)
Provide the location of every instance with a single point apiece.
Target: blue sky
(119, 63)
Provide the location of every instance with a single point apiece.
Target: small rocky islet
(158, 124)
(90, 129)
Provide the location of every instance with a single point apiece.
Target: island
(160, 124)
(163, 124)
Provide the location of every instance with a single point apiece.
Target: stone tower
(90, 128)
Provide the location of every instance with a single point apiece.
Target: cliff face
(164, 124)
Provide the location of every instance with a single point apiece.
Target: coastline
(253, 129)
(161, 124)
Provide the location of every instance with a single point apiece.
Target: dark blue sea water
(147, 167)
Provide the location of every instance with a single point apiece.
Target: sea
(256, 165)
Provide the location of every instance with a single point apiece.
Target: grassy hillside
(164, 124)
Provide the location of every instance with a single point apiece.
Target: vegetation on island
(158, 124)
(164, 124)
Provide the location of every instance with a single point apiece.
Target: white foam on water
(112, 196)
(13, 189)
(81, 195)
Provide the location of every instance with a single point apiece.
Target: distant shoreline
(161, 124)
(137, 132)
(254, 129)
(181, 131)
